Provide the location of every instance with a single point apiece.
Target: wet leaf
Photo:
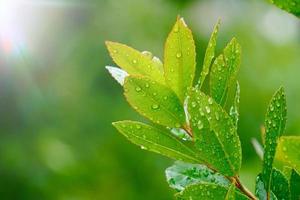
(224, 71)
(234, 109)
(207, 191)
(183, 174)
(230, 193)
(275, 124)
(260, 190)
(215, 134)
(280, 185)
(157, 140)
(291, 6)
(209, 54)
(118, 74)
(295, 185)
(287, 152)
(154, 101)
(135, 62)
(180, 59)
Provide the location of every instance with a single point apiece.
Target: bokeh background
(57, 101)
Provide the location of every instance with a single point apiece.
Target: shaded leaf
(215, 134)
(207, 191)
(260, 190)
(156, 140)
(287, 152)
(291, 6)
(183, 174)
(209, 54)
(224, 71)
(135, 62)
(234, 109)
(118, 74)
(295, 185)
(275, 124)
(180, 59)
(280, 185)
(154, 101)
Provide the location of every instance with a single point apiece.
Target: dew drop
(178, 55)
(207, 109)
(200, 125)
(138, 89)
(155, 106)
(210, 101)
(134, 61)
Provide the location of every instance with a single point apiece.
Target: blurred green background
(57, 101)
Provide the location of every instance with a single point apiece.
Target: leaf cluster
(198, 126)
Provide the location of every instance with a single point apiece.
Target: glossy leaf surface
(180, 59)
(156, 140)
(209, 54)
(275, 124)
(154, 101)
(224, 71)
(135, 62)
(183, 174)
(215, 134)
(207, 191)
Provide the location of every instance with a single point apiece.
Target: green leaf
(209, 54)
(234, 109)
(224, 71)
(295, 185)
(215, 134)
(135, 62)
(291, 6)
(157, 140)
(154, 101)
(260, 190)
(287, 152)
(230, 193)
(280, 185)
(118, 74)
(207, 191)
(180, 59)
(183, 174)
(274, 124)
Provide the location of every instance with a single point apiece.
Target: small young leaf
(209, 54)
(234, 109)
(295, 185)
(215, 134)
(207, 191)
(118, 74)
(156, 140)
(154, 101)
(180, 59)
(183, 174)
(287, 151)
(135, 62)
(224, 71)
(291, 6)
(275, 124)
(260, 190)
(280, 185)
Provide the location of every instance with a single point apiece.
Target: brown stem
(243, 188)
(188, 130)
